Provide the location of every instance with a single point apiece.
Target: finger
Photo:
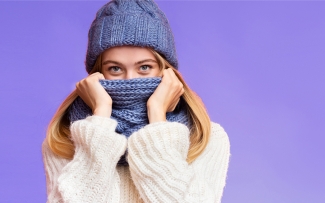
(95, 73)
(164, 72)
(170, 79)
(181, 92)
(95, 77)
(79, 87)
(174, 79)
(172, 73)
(169, 72)
(98, 76)
(101, 76)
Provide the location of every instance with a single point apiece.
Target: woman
(133, 131)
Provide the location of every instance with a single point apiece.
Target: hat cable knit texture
(130, 22)
(129, 106)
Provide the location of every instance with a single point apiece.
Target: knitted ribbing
(157, 171)
(129, 106)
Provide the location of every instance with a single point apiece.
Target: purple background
(258, 66)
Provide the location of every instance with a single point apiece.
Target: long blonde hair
(58, 131)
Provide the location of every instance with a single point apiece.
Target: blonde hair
(58, 131)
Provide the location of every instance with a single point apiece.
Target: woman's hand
(94, 95)
(165, 97)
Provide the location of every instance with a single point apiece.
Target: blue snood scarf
(129, 106)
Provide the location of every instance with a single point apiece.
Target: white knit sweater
(157, 171)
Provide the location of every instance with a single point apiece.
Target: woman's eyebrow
(145, 60)
(139, 62)
(110, 61)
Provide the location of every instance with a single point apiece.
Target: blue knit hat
(130, 22)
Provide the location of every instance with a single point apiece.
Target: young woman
(133, 131)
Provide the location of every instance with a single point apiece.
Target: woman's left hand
(165, 97)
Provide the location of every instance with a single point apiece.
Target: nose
(130, 74)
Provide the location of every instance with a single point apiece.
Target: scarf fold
(129, 106)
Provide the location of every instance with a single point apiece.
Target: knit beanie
(130, 22)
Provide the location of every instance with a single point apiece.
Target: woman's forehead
(128, 52)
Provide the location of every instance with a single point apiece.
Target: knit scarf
(129, 106)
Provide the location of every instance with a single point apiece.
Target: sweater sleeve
(91, 175)
(157, 160)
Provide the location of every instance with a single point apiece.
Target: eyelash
(111, 68)
(149, 67)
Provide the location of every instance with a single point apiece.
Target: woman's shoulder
(217, 151)
(49, 157)
(217, 131)
(45, 147)
(218, 140)
(46, 150)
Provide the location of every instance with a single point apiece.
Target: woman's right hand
(94, 95)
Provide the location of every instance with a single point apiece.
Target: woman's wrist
(156, 114)
(102, 111)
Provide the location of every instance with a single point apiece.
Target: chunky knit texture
(130, 22)
(129, 107)
(157, 171)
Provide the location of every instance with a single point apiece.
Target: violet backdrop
(257, 65)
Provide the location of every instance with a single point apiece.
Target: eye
(145, 67)
(114, 68)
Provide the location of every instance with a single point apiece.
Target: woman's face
(127, 62)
